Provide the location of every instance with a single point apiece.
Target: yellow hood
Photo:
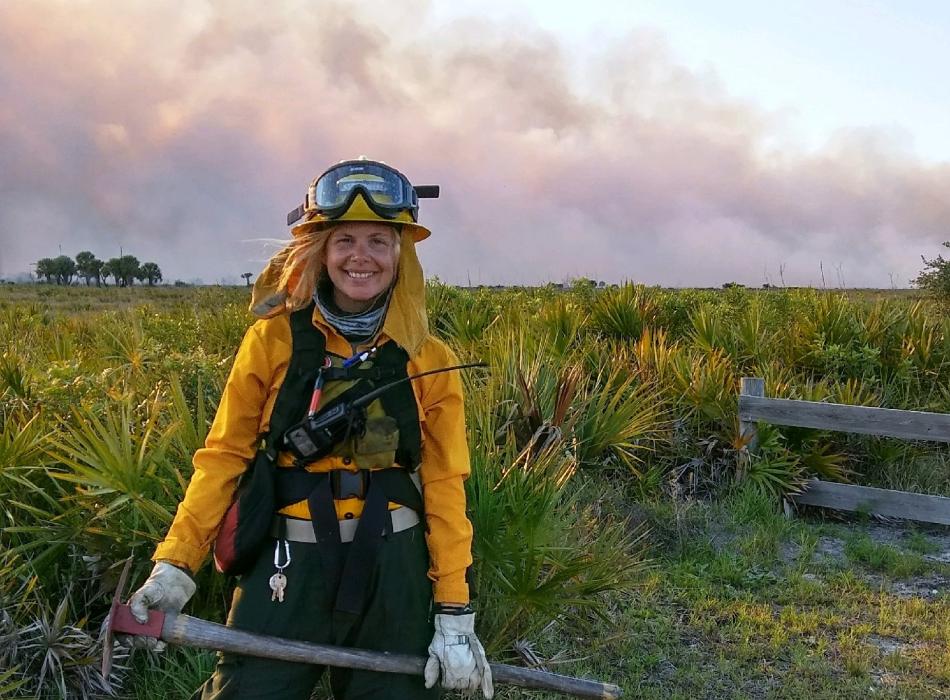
(406, 320)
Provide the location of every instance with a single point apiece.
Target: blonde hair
(305, 261)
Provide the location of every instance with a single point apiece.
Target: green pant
(396, 618)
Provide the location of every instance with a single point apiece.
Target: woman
(371, 535)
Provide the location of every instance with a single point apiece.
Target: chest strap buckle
(347, 484)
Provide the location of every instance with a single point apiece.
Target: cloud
(183, 137)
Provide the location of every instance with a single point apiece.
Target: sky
(676, 143)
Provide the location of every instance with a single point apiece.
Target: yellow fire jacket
(244, 413)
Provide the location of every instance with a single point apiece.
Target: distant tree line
(123, 270)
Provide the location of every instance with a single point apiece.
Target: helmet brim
(360, 211)
(419, 233)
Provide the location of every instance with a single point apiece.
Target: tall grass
(593, 396)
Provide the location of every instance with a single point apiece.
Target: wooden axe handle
(184, 630)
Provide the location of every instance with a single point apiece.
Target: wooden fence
(885, 422)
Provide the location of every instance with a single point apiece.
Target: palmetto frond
(118, 465)
(620, 419)
(624, 312)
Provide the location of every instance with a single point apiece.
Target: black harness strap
(399, 488)
(361, 559)
(326, 528)
(306, 358)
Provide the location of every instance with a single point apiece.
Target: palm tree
(112, 268)
(89, 266)
(64, 268)
(151, 272)
(46, 267)
(124, 270)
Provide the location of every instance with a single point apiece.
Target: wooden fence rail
(887, 422)
(909, 425)
(892, 504)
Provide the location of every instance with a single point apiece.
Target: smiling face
(361, 262)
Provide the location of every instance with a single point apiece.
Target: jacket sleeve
(445, 466)
(230, 445)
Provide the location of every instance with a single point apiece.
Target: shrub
(935, 277)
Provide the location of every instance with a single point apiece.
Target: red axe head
(120, 621)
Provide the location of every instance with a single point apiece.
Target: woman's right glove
(167, 588)
(456, 654)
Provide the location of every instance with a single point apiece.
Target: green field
(616, 535)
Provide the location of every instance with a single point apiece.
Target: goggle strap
(297, 214)
(427, 191)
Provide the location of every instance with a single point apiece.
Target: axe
(184, 630)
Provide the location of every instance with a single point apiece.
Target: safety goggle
(386, 191)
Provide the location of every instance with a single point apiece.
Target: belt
(302, 530)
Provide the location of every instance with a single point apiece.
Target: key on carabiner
(278, 582)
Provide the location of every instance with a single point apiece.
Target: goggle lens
(387, 191)
(385, 186)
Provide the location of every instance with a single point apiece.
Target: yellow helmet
(361, 190)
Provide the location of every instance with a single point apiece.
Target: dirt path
(931, 543)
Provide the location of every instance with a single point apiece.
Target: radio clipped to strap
(317, 435)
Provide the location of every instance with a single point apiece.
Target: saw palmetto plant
(542, 425)
(118, 464)
(854, 393)
(705, 384)
(467, 319)
(191, 422)
(624, 312)
(543, 556)
(47, 650)
(538, 552)
(621, 419)
(126, 347)
(653, 354)
(710, 332)
(61, 655)
(15, 376)
(773, 470)
(752, 339)
(562, 323)
(832, 318)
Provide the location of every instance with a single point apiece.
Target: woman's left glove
(457, 653)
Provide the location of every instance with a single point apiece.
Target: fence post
(751, 386)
